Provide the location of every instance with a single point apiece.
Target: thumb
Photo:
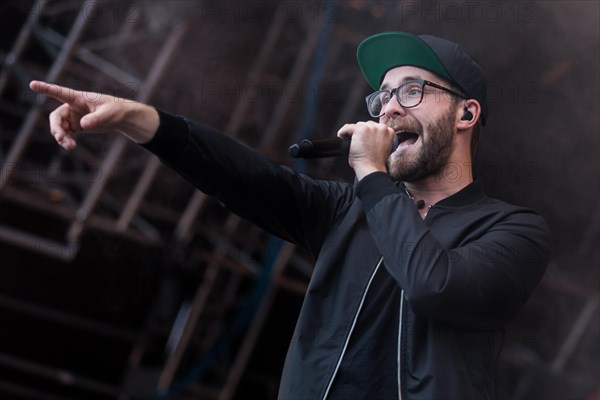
(89, 121)
(92, 120)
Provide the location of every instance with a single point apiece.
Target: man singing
(417, 271)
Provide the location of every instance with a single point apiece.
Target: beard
(433, 155)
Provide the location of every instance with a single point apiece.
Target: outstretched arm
(83, 112)
(272, 196)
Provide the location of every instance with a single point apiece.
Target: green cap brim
(380, 53)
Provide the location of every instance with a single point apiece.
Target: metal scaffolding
(228, 253)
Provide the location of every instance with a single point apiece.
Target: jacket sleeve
(479, 284)
(289, 205)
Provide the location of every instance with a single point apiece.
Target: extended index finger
(60, 93)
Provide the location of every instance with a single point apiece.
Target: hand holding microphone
(366, 144)
(324, 148)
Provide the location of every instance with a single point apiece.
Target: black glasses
(409, 94)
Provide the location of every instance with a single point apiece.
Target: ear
(468, 114)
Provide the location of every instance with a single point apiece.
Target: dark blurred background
(119, 281)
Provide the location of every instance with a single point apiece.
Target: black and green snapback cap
(382, 52)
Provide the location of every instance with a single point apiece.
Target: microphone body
(334, 147)
(323, 148)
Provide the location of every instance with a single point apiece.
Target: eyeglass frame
(395, 91)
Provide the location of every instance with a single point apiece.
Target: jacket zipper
(362, 300)
(399, 359)
(400, 346)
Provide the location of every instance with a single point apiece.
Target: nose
(393, 108)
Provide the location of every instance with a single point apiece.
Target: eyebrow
(404, 80)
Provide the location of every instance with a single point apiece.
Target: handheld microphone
(323, 148)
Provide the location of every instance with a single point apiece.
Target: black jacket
(429, 324)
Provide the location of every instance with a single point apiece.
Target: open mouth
(406, 138)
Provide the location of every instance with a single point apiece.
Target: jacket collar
(471, 193)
